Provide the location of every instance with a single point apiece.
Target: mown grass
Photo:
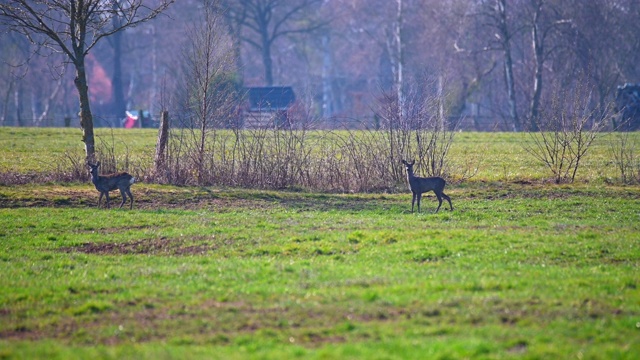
(516, 271)
(520, 269)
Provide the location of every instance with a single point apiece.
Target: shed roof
(270, 98)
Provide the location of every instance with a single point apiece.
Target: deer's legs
(106, 194)
(439, 196)
(130, 197)
(419, 197)
(413, 200)
(100, 200)
(124, 197)
(448, 199)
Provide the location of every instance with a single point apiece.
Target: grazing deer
(420, 185)
(121, 181)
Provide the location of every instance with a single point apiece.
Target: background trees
(73, 28)
(495, 62)
(261, 23)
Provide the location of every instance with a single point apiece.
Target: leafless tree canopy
(500, 61)
(260, 23)
(74, 27)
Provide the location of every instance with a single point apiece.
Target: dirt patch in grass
(214, 322)
(217, 322)
(158, 246)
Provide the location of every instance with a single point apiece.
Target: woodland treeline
(495, 63)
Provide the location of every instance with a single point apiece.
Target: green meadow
(521, 269)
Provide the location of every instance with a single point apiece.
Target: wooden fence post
(161, 144)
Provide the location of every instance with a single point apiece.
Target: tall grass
(331, 161)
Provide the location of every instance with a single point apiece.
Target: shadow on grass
(301, 201)
(154, 197)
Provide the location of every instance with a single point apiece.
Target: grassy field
(519, 269)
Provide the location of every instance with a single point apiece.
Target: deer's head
(408, 165)
(93, 169)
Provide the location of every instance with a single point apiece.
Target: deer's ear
(404, 162)
(412, 162)
(98, 163)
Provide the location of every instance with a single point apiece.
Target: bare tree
(604, 43)
(395, 45)
(545, 22)
(623, 149)
(12, 58)
(422, 133)
(269, 20)
(208, 89)
(74, 28)
(119, 105)
(496, 17)
(568, 129)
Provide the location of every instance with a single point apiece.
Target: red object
(130, 121)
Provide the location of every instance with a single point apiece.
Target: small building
(268, 107)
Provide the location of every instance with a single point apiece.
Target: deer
(420, 185)
(105, 183)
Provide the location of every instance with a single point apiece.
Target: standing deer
(121, 181)
(420, 185)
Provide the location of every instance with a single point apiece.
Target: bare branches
(567, 132)
(74, 27)
(267, 21)
(209, 94)
(624, 152)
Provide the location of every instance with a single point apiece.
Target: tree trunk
(508, 66)
(17, 101)
(161, 145)
(7, 98)
(237, 53)
(327, 65)
(394, 45)
(119, 106)
(511, 92)
(538, 58)
(44, 115)
(86, 118)
(400, 59)
(268, 64)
